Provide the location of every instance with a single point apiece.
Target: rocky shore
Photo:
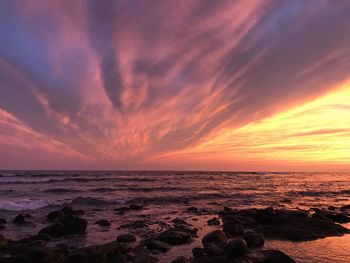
(239, 236)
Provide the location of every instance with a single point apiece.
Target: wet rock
(217, 259)
(276, 256)
(233, 229)
(3, 241)
(145, 259)
(193, 210)
(216, 236)
(122, 209)
(198, 252)
(236, 247)
(158, 245)
(3, 221)
(67, 210)
(340, 218)
(135, 207)
(41, 237)
(174, 237)
(179, 221)
(253, 238)
(126, 238)
(55, 215)
(181, 259)
(67, 226)
(213, 222)
(74, 225)
(212, 250)
(19, 220)
(54, 231)
(103, 222)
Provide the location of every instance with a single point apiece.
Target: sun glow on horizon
(317, 132)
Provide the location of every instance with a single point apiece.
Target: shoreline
(234, 235)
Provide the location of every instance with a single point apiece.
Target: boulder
(126, 238)
(19, 220)
(55, 215)
(174, 237)
(213, 249)
(181, 259)
(216, 236)
(158, 245)
(253, 238)
(198, 252)
(74, 225)
(236, 247)
(55, 230)
(213, 222)
(103, 222)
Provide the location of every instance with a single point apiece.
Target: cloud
(124, 81)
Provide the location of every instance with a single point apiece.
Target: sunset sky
(181, 85)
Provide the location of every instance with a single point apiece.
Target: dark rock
(103, 222)
(19, 220)
(29, 253)
(67, 210)
(74, 225)
(122, 209)
(192, 209)
(217, 259)
(158, 245)
(3, 241)
(213, 222)
(126, 238)
(3, 221)
(212, 250)
(253, 238)
(42, 237)
(236, 247)
(135, 207)
(234, 229)
(216, 236)
(55, 230)
(174, 237)
(145, 259)
(181, 259)
(276, 256)
(198, 252)
(179, 221)
(55, 215)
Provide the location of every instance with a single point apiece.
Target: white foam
(23, 204)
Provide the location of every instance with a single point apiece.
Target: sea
(166, 195)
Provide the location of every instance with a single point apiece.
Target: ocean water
(166, 195)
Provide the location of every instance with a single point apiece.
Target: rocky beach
(149, 217)
(229, 236)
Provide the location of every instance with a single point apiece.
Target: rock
(145, 259)
(192, 209)
(3, 241)
(103, 222)
(19, 220)
(29, 253)
(253, 238)
(55, 230)
(181, 259)
(213, 222)
(233, 229)
(74, 225)
(122, 209)
(216, 236)
(55, 215)
(3, 221)
(198, 252)
(179, 221)
(42, 237)
(67, 210)
(276, 256)
(135, 207)
(217, 259)
(236, 247)
(174, 237)
(126, 238)
(212, 250)
(158, 245)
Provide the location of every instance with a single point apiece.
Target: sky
(175, 85)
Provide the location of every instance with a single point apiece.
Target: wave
(61, 190)
(25, 204)
(91, 201)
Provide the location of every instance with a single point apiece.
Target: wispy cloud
(125, 81)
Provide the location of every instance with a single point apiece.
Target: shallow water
(167, 194)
